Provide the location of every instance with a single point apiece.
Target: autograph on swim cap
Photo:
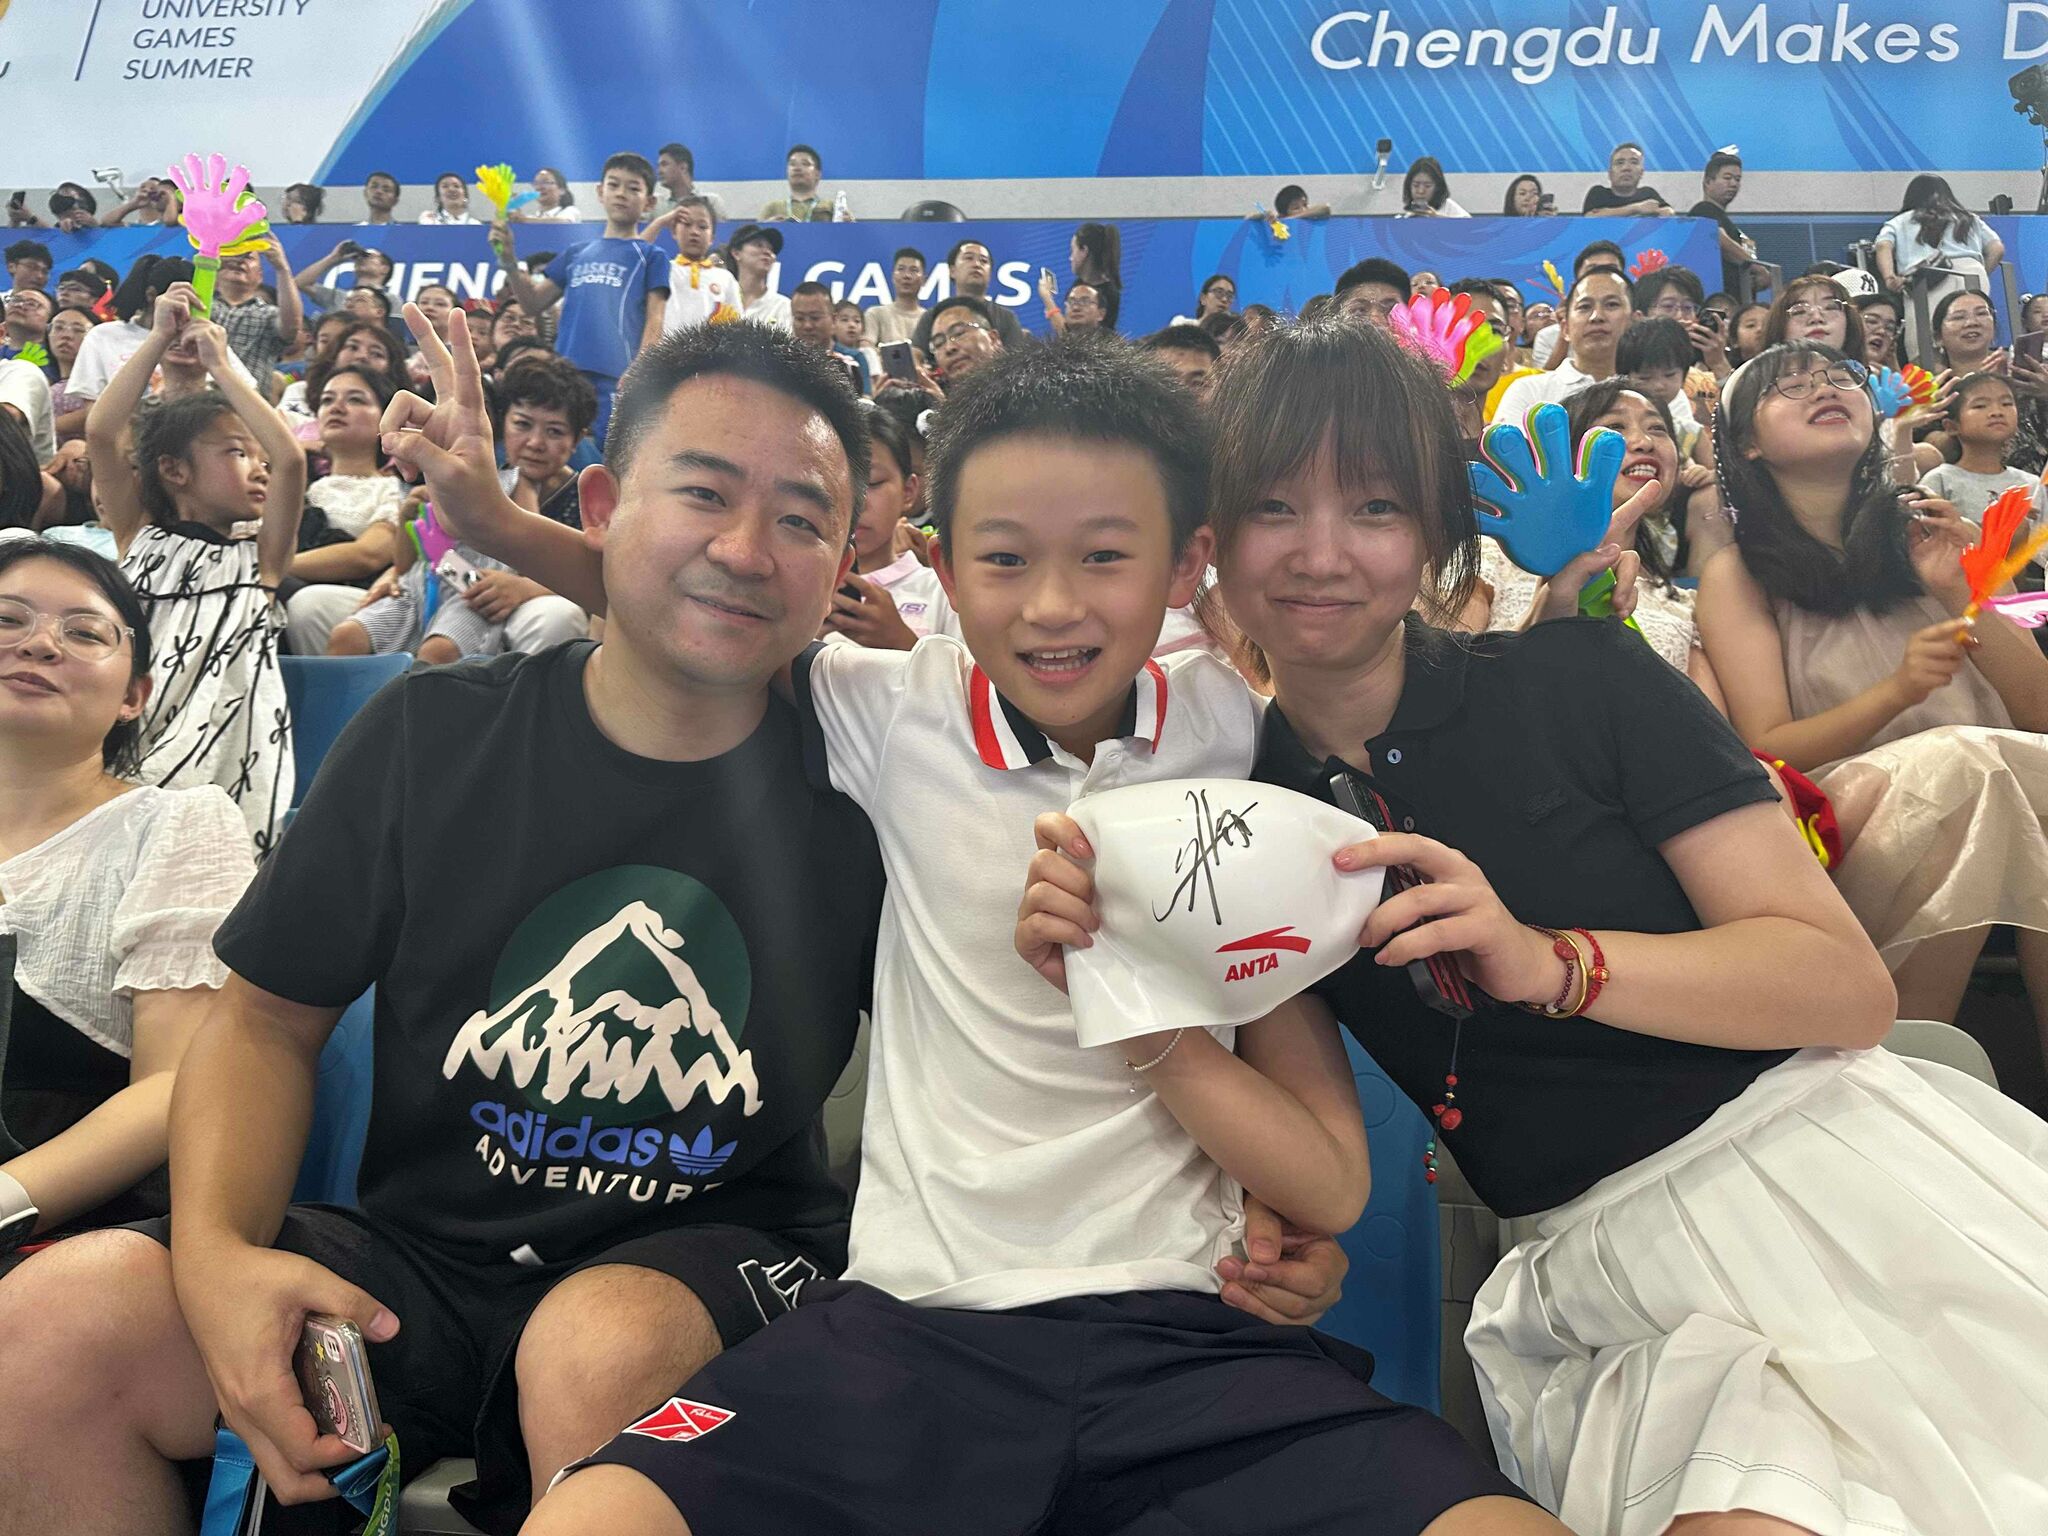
(1202, 854)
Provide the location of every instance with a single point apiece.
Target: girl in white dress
(202, 473)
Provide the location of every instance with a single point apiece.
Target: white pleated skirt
(1829, 1303)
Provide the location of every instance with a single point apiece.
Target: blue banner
(1164, 260)
(909, 90)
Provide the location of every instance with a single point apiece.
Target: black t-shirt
(1731, 271)
(1557, 761)
(1604, 196)
(612, 993)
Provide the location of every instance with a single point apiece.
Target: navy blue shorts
(1152, 1413)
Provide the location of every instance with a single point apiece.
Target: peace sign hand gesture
(448, 443)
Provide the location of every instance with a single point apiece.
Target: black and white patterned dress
(218, 713)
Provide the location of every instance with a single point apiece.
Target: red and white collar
(1005, 738)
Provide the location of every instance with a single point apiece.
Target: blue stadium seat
(324, 693)
(341, 1110)
(1392, 1297)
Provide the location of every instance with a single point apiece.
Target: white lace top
(353, 502)
(1663, 614)
(125, 900)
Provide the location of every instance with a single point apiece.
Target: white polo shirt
(1003, 1165)
(1535, 388)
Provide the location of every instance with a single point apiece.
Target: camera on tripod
(2030, 94)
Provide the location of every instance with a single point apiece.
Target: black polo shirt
(1604, 196)
(1731, 271)
(1557, 760)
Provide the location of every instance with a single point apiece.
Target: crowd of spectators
(298, 467)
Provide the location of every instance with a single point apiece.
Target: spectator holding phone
(1625, 196)
(154, 202)
(1526, 199)
(370, 268)
(1425, 193)
(898, 319)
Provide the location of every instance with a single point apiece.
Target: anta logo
(1261, 951)
(679, 1420)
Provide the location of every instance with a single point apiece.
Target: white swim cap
(1218, 902)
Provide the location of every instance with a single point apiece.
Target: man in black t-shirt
(619, 947)
(1718, 186)
(1625, 193)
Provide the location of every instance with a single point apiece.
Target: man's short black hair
(30, 250)
(810, 289)
(908, 250)
(980, 306)
(1291, 193)
(744, 350)
(386, 175)
(1652, 344)
(1088, 389)
(1628, 144)
(1651, 285)
(1183, 338)
(680, 153)
(1718, 161)
(550, 382)
(1479, 288)
(960, 245)
(1598, 248)
(805, 149)
(1374, 269)
(633, 165)
(85, 278)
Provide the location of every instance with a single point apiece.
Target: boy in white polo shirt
(1028, 1336)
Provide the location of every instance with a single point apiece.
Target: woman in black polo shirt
(1776, 1271)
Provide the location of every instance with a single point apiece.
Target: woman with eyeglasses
(1835, 626)
(1965, 342)
(1815, 310)
(109, 895)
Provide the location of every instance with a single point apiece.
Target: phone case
(334, 1378)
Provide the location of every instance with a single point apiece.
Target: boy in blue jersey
(614, 291)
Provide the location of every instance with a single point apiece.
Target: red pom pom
(1452, 1119)
(1451, 1078)
(1430, 1176)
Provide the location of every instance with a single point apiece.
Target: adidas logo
(1262, 951)
(698, 1158)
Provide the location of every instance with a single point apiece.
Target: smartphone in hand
(897, 361)
(2030, 344)
(333, 1368)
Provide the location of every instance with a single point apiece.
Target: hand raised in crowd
(246, 1307)
(1933, 657)
(174, 309)
(211, 343)
(495, 594)
(448, 442)
(911, 539)
(927, 381)
(1712, 347)
(871, 619)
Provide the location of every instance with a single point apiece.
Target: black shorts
(446, 1384)
(1152, 1413)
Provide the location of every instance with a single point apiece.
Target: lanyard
(234, 1497)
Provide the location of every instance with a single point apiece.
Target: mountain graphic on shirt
(620, 1014)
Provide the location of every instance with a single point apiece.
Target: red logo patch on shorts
(679, 1419)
